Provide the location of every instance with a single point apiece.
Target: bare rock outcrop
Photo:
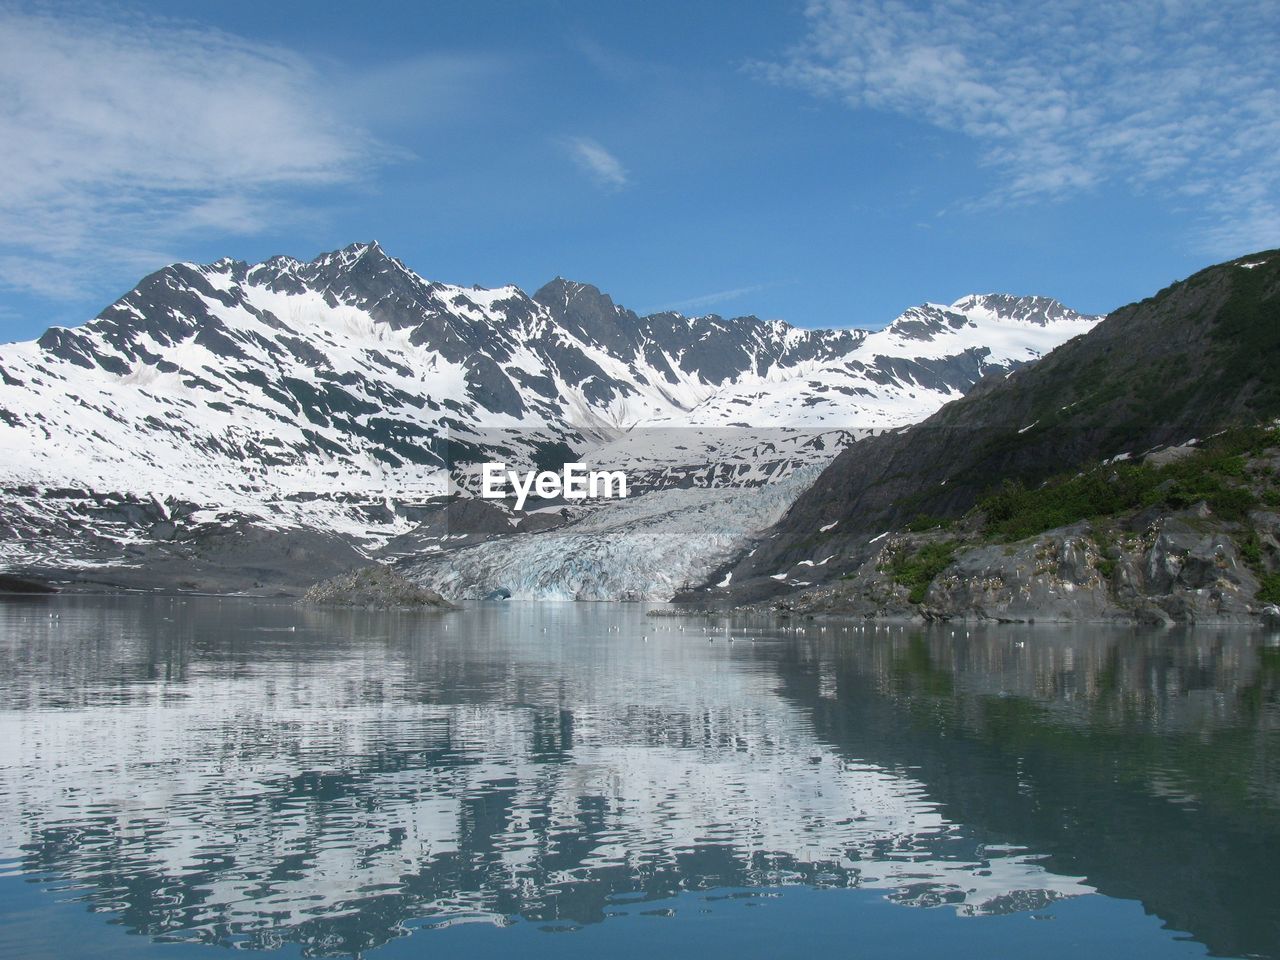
(1183, 567)
(377, 587)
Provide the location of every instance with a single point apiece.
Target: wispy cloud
(606, 169)
(1177, 97)
(710, 299)
(118, 137)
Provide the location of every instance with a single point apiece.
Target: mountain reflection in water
(257, 774)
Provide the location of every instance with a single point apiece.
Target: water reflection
(1146, 762)
(256, 774)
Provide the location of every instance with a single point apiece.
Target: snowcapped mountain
(333, 395)
(898, 375)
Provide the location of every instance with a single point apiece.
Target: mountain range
(330, 398)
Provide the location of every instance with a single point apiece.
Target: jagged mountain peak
(342, 257)
(583, 310)
(563, 289)
(995, 314)
(353, 252)
(1023, 309)
(577, 298)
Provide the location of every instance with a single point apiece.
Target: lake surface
(580, 780)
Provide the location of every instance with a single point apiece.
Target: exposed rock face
(374, 586)
(1054, 577)
(1184, 567)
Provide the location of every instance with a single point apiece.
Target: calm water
(583, 781)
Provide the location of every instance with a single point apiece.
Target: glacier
(643, 548)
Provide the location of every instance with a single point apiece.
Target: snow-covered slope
(898, 375)
(334, 394)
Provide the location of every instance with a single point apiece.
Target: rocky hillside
(1188, 534)
(1197, 359)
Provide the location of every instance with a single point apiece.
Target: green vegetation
(1216, 474)
(916, 570)
(1250, 338)
(1223, 472)
(1107, 553)
(924, 521)
(1251, 554)
(1251, 550)
(1202, 357)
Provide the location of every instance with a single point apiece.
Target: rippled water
(583, 780)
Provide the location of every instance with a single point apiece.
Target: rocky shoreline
(1153, 568)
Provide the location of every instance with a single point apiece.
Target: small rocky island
(376, 587)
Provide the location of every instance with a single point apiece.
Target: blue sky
(828, 163)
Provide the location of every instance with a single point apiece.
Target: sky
(829, 163)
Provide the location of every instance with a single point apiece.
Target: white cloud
(116, 138)
(710, 299)
(603, 166)
(1171, 96)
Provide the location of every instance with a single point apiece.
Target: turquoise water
(569, 780)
